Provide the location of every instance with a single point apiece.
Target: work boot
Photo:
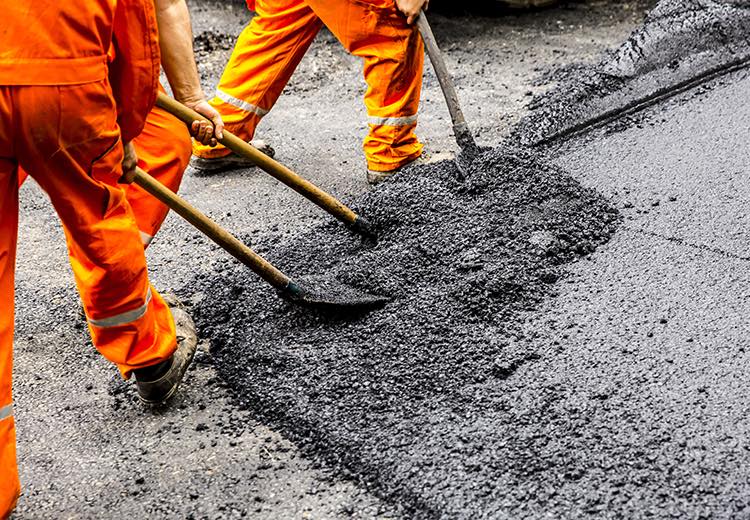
(374, 177)
(231, 161)
(157, 383)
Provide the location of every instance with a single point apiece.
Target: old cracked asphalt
(662, 306)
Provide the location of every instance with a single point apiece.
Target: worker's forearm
(176, 42)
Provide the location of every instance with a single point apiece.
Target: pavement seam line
(639, 105)
(684, 243)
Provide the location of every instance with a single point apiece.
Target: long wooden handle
(212, 230)
(277, 170)
(463, 135)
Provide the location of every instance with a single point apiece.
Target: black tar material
(389, 398)
(415, 399)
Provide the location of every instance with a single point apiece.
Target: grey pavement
(644, 352)
(680, 170)
(87, 449)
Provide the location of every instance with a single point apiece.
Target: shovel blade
(326, 294)
(465, 158)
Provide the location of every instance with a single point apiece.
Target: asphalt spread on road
(384, 396)
(410, 400)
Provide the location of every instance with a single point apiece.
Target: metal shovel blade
(327, 294)
(464, 160)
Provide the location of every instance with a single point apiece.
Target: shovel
(332, 297)
(277, 170)
(468, 150)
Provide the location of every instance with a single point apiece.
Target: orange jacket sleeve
(134, 70)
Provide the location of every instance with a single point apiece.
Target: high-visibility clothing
(59, 122)
(48, 42)
(78, 165)
(272, 45)
(9, 485)
(164, 151)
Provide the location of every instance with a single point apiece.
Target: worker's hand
(412, 8)
(203, 131)
(129, 162)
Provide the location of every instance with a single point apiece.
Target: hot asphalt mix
(385, 395)
(566, 334)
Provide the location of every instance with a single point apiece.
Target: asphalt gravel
(385, 396)
(647, 385)
(470, 394)
(88, 450)
(681, 43)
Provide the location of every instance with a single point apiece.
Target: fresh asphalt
(622, 395)
(631, 404)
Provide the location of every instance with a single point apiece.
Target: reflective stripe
(6, 411)
(392, 121)
(125, 317)
(242, 105)
(146, 239)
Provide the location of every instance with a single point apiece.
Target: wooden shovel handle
(460, 128)
(277, 170)
(212, 230)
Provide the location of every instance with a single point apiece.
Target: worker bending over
(269, 49)
(77, 81)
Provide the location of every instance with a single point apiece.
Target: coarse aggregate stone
(384, 396)
(468, 396)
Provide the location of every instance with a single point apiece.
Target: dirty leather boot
(156, 384)
(231, 161)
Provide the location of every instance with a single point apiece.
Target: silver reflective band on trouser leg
(392, 121)
(6, 412)
(123, 318)
(242, 105)
(146, 239)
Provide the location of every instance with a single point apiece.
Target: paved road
(87, 449)
(648, 340)
(624, 395)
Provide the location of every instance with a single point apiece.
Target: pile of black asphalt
(412, 400)
(389, 397)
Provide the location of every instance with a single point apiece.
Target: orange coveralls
(163, 149)
(272, 45)
(64, 114)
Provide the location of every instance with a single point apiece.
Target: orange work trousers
(67, 139)
(163, 150)
(272, 45)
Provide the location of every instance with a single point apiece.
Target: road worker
(269, 49)
(77, 81)
(163, 147)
